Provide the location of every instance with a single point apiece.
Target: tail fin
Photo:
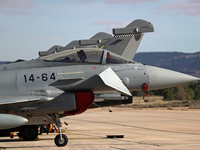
(126, 40)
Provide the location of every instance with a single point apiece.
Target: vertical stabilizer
(126, 40)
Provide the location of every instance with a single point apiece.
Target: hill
(188, 63)
(4, 62)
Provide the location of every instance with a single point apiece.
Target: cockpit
(86, 55)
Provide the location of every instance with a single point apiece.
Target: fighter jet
(41, 91)
(124, 41)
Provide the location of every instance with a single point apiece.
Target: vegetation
(189, 91)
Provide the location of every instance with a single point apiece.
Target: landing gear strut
(60, 139)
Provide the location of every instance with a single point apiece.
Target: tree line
(190, 91)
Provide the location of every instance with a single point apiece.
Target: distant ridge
(188, 63)
(4, 62)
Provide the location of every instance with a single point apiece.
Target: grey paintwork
(124, 42)
(48, 79)
(35, 90)
(40, 89)
(164, 78)
(13, 81)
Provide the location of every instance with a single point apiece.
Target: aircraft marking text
(44, 77)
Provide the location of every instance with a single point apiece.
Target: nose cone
(164, 78)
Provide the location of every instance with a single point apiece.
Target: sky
(29, 26)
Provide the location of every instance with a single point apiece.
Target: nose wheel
(61, 139)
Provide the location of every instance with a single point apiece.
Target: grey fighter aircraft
(43, 90)
(125, 42)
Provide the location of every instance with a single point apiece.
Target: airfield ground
(158, 129)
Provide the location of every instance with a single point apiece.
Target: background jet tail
(126, 40)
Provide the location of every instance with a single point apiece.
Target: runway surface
(142, 129)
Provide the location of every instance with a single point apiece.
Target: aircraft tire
(29, 133)
(58, 141)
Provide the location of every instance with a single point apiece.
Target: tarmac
(152, 129)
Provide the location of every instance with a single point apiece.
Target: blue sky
(29, 26)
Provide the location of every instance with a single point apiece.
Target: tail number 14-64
(43, 77)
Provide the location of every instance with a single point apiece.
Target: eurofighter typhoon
(63, 80)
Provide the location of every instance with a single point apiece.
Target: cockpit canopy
(86, 55)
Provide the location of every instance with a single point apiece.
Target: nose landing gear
(61, 139)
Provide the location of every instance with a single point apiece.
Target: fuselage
(63, 84)
(71, 77)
